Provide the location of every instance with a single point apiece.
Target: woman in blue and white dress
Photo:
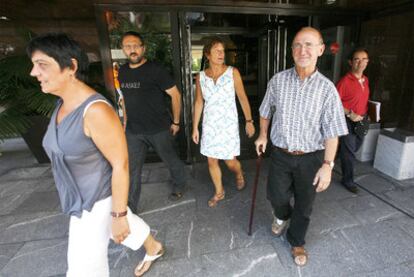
(216, 90)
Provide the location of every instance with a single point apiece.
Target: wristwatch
(330, 163)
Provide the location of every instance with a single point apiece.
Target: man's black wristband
(177, 124)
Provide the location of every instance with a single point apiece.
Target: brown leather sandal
(300, 256)
(215, 199)
(240, 183)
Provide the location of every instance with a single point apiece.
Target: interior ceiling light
(2, 17)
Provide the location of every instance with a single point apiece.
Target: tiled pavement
(349, 235)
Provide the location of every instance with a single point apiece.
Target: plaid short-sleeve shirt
(305, 112)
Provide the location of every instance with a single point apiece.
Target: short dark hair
(356, 50)
(134, 34)
(62, 49)
(210, 43)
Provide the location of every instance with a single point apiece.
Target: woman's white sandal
(148, 258)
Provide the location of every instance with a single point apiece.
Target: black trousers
(162, 143)
(289, 176)
(349, 145)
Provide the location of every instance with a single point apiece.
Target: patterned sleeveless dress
(220, 128)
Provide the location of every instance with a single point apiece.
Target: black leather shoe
(352, 188)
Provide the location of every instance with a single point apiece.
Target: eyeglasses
(306, 45)
(132, 46)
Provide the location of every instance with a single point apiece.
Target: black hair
(134, 34)
(62, 49)
(356, 50)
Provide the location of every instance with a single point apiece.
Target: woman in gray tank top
(87, 148)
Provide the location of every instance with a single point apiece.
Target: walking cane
(256, 181)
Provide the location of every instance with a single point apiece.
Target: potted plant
(24, 109)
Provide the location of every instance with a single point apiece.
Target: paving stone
(10, 202)
(363, 168)
(250, 166)
(382, 244)
(34, 227)
(349, 235)
(45, 184)
(120, 256)
(25, 186)
(158, 175)
(374, 183)
(401, 195)
(115, 272)
(200, 172)
(369, 209)
(6, 221)
(403, 199)
(14, 159)
(145, 175)
(360, 168)
(154, 195)
(253, 261)
(405, 223)
(407, 182)
(336, 192)
(261, 231)
(7, 251)
(331, 255)
(25, 173)
(178, 240)
(178, 268)
(40, 202)
(156, 209)
(407, 206)
(13, 144)
(207, 238)
(38, 258)
(401, 270)
(13, 188)
(326, 217)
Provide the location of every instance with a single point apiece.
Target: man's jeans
(137, 149)
(349, 145)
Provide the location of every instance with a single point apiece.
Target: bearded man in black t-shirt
(144, 85)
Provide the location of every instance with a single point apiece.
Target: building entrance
(257, 36)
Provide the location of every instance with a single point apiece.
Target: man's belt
(294, 153)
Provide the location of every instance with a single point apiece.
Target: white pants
(89, 238)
